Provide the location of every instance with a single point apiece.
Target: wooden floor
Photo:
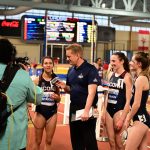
(61, 140)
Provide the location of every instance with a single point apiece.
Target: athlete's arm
(103, 117)
(128, 83)
(139, 84)
(62, 85)
(56, 95)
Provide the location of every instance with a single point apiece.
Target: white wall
(25, 49)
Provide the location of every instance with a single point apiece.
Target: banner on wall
(143, 40)
(10, 27)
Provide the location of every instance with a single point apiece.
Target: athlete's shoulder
(128, 76)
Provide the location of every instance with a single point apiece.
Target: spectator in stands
(106, 68)
(99, 66)
(21, 91)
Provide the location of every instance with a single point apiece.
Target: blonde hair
(76, 49)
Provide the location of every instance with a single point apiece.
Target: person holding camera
(82, 82)
(19, 93)
(46, 113)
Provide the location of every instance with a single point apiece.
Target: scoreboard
(71, 30)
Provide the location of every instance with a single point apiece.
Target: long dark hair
(7, 51)
(144, 59)
(121, 57)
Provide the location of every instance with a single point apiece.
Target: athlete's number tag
(142, 118)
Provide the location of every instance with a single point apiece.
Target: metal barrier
(66, 109)
(100, 128)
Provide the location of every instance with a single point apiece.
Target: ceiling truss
(129, 9)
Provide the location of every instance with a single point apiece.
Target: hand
(24, 67)
(55, 97)
(60, 84)
(85, 116)
(127, 123)
(95, 113)
(119, 124)
(103, 118)
(118, 121)
(29, 105)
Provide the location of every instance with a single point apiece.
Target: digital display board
(63, 31)
(85, 32)
(33, 28)
(10, 27)
(106, 34)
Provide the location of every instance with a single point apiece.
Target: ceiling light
(103, 5)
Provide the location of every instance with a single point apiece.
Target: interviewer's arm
(62, 85)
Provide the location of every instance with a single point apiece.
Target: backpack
(7, 77)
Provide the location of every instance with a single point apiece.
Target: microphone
(54, 80)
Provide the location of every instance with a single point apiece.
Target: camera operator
(21, 91)
(22, 62)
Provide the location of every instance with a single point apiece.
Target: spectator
(99, 66)
(21, 90)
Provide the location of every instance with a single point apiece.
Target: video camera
(22, 60)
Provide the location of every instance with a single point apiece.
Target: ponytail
(125, 59)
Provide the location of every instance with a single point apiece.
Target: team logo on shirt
(80, 76)
(118, 85)
(46, 88)
(142, 118)
(95, 80)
